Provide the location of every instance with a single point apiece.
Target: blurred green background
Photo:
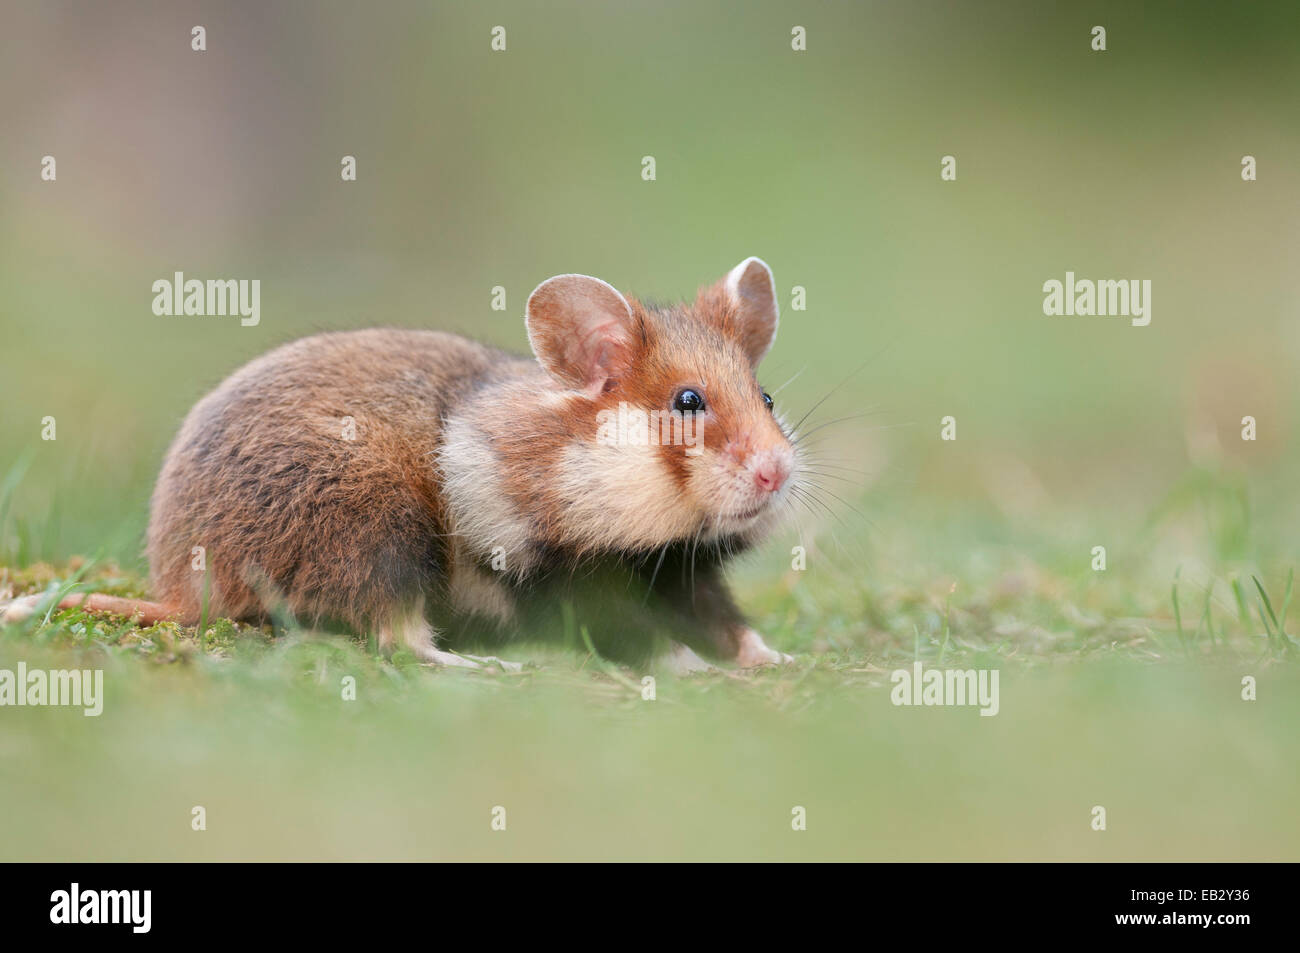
(478, 169)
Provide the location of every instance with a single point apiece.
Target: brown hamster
(414, 484)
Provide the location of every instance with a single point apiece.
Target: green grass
(1113, 692)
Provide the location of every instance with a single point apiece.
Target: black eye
(689, 402)
(767, 400)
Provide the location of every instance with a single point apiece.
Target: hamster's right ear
(581, 330)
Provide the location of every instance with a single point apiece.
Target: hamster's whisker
(820, 462)
(805, 490)
(830, 476)
(799, 498)
(663, 551)
(788, 503)
(790, 381)
(694, 547)
(797, 438)
(841, 499)
(858, 370)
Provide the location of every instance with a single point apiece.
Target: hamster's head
(668, 434)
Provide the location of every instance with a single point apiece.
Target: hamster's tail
(137, 610)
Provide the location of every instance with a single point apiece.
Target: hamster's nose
(770, 475)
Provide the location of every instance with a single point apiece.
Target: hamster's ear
(751, 292)
(581, 330)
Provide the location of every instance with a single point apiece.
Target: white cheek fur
(621, 496)
(481, 514)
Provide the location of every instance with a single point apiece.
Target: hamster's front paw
(755, 652)
(487, 661)
(680, 660)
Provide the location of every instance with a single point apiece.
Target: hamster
(419, 486)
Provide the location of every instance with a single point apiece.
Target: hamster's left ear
(581, 330)
(752, 316)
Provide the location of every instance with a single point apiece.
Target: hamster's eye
(767, 400)
(689, 401)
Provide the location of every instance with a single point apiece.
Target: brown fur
(285, 508)
(368, 531)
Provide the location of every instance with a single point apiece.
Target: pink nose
(770, 476)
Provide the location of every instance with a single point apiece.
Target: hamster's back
(307, 476)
